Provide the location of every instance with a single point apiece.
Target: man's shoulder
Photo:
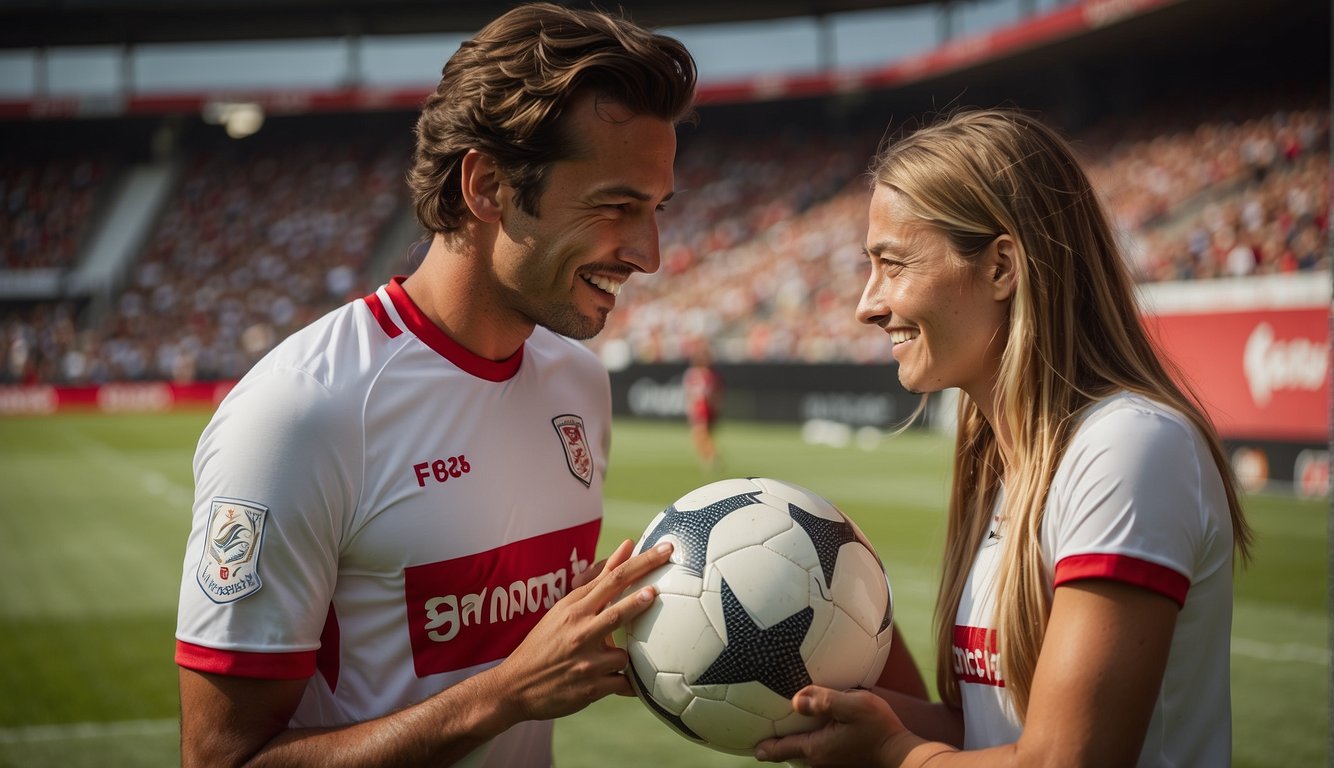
(547, 345)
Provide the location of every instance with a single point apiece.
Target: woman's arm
(1094, 689)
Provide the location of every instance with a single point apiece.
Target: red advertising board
(1262, 374)
(39, 399)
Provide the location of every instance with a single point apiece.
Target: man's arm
(566, 662)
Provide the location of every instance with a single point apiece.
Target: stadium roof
(34, 23)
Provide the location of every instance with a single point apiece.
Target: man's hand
(569, 660)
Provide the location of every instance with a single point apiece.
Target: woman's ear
(1000, 267)
(480, 181)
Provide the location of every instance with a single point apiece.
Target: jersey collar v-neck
(430, 334)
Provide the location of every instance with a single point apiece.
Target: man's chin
(578, 327)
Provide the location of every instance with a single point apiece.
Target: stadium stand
(48, 204)
(761, 250)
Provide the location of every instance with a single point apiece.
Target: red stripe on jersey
(1127, 570)
(296, 665)
(976, 658)
(478, 608)
(451, 350)
(381, 316)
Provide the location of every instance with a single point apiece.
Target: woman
(1084, 612)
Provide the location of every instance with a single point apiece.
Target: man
(396, 509)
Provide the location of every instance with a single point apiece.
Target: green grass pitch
(94, 511)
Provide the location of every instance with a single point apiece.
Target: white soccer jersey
(383, 512)
(1137, 498)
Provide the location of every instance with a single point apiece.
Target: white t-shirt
(1137, 498)
(386, 514)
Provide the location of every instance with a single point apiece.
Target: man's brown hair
(504, 93)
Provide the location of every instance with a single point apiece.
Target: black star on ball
(828, 536)
(771, 657)
(692, 528)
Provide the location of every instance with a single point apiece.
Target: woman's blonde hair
(1074, 337)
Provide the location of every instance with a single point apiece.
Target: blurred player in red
(703, 400)
(396, 509)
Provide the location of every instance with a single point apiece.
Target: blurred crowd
(761, 247)
(1226, 197)
(255, 243)
(1223, 199)
(48, 205)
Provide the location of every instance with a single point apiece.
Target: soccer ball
(769, 588)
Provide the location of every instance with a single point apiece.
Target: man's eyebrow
(620, 190)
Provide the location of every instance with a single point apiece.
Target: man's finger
(615, 580)
(582, 581)
(623, 611)
(622, 553)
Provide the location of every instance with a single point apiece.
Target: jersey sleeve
(1127, 502)
(275, 476)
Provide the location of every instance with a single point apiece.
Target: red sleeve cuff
(296, 665)
(1127, 570)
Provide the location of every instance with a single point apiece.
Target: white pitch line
(154, 483)
(1276, 652)
(28, 734)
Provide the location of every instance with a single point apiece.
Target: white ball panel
(803, 497)
(796, 723)
(675, 635)
(671, 691)
(770, 587)
(795, 545)
(725, 727)
(884, 643)
(640, 660)
(671, 579)
(757, 699)
(860, 587)
(745, 527)
(705, 495)
(712, 692)
(841, 657)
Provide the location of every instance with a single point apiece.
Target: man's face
(596, 223)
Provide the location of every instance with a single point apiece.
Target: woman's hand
(858, 727)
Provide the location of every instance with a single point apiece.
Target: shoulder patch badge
(578, 453)
(229, 566)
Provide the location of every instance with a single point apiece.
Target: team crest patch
(578, 454)
(229, 567)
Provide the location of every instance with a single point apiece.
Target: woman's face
(945, 316)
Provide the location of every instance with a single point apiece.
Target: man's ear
(480, 183)
(1001, 267)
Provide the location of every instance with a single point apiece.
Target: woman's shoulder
(1132, 411)
(1131, 432)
